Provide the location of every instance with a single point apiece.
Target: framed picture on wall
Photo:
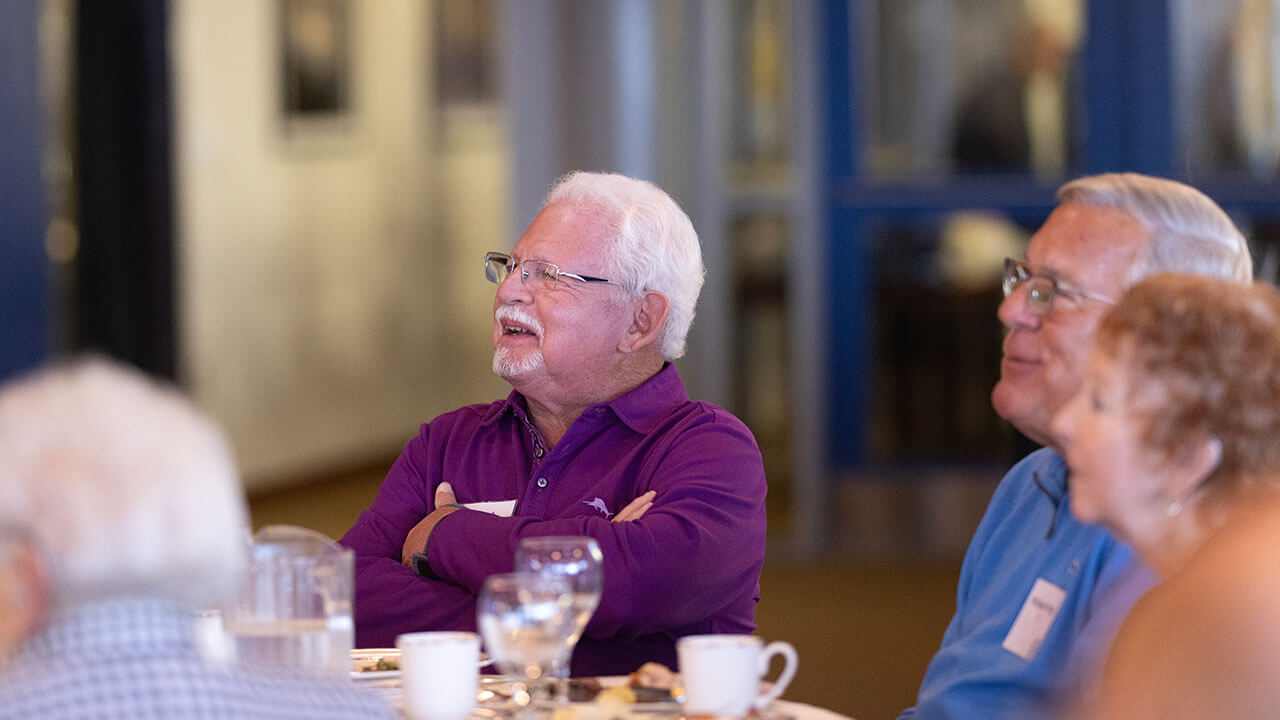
(315, 53)
(465, 36)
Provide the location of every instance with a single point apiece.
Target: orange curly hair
(1202, 359)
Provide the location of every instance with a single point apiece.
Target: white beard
(508, 367)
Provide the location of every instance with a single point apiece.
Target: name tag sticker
(1033, 621)
(501, 508)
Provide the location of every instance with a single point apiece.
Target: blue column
(1128, 87)
(24, 280)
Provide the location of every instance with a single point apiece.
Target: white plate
(368, 657)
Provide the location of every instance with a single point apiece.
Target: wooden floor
(865, 631)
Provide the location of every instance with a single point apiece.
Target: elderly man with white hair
(121, 511)
(1040, 593)
(598, 438)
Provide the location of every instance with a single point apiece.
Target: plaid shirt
(136, 658)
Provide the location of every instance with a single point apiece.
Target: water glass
(526, 619)
(579, 562)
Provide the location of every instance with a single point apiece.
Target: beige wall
(331, 289)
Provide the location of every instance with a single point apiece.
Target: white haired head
(126, 488)
(654, 246)
(1190, 233)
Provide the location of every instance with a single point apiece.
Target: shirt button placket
(538, 450)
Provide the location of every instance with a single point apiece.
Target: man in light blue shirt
(1041, 594)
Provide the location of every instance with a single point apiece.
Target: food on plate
(593, 700)
(616, 695)
(610, 703)
(375, 664)
(611, 698)
(654, 675)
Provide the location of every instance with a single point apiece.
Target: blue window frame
(1126, 122)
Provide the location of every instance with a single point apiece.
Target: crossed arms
(688, 555)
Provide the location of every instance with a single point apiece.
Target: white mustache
(514, 313)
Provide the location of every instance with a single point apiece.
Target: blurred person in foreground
(1175, 431)
(123, 513)
(1206, 642)
(591, 307)
(1040, 593)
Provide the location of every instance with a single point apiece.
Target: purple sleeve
(390, 598)
(696, 552)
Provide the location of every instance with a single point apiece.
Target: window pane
(970, 86)
(937, 338)
(762, 391)
(1226, 79)
(759, 144)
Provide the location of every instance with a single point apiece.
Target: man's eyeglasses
(1042, 290)
(535, 274)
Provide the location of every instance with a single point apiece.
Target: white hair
(1190, 233)
(123, 485)
(655, 246)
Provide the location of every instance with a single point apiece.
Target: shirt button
(542, 482)
(538, 452)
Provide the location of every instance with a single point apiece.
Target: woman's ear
(1206, 458)
(648, 318)
(1193, 468)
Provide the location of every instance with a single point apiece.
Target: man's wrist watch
(421, 566)
(419, 561)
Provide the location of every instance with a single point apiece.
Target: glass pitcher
(294, 608)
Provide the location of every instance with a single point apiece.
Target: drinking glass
(578, 561)
(526, 618)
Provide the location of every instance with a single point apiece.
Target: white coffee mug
(722, 673)
(439, 673)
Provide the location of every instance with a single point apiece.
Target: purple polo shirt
(691, 565)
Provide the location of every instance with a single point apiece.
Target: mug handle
(786, 650)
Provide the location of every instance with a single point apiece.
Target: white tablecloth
(801, 711)
(392, 693)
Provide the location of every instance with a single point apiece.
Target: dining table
(493, 693)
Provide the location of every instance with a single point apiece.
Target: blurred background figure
(1018, 118)
(1177, 424)
(1206, 643)
(123, 513)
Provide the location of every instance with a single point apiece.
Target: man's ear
(24, 594)
(648, 318)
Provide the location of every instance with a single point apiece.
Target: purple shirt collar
(642, 409)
